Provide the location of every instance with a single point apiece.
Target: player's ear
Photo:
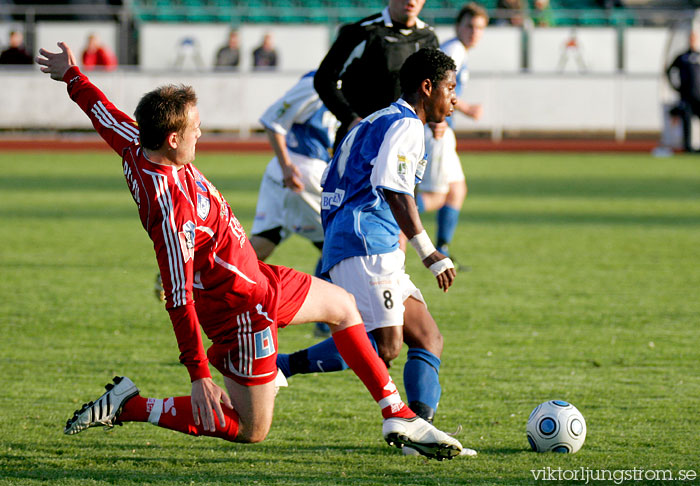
(426, 87)
(171, 140)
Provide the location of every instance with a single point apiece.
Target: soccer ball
(556, 426)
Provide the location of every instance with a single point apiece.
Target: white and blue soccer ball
(556, 426)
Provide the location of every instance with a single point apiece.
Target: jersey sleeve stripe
(108, 115)
(131, 128)
(112, 122)
(176, 270)
(104, 118)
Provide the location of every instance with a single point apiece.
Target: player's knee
(388, 351)
(347, 307)
(252, 434)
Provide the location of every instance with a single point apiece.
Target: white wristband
(440, 266)
(421, 242)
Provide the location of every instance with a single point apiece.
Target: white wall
(235, 101)
(645, 49)
(577, 50)
(499, 50)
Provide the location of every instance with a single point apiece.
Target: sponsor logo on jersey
(402, 167)
(237, 230)
(131, 182)
(283, 109)
(203, 206)
(329, 199)
(187, 240)
(264, 344)
(420, 169)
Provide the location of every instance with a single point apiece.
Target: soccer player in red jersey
(213, 279)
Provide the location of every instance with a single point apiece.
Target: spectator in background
(684, 76)
(510, 12)
(265, 56)
(542, 13)
(229, 56)
(96, 55)
(15, 52)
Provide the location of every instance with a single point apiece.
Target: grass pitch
(583, 286)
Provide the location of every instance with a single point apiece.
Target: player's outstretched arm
(56, 63)
(403, 207)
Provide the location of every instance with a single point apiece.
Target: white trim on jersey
(125, 130)
(207, 230)
(233, 268)
(355, 54)
(177, 271)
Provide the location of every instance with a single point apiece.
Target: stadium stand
(584, 12)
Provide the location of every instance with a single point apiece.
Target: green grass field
(584, 285)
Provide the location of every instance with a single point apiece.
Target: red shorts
(249, 355)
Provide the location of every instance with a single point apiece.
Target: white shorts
(444, 165)
(380, 286)
(294, 212)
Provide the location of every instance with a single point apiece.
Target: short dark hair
(163, 111)
(472, 9)
(432, 64)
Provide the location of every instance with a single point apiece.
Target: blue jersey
(309, 128)
(385, 151)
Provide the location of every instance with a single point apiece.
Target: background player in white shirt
(444, 186)
(301, 131)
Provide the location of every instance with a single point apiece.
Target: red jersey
(99, 58)
(201, 248)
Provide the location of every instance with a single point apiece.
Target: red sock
(355, 348)
(176, 414)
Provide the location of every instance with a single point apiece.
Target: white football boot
(420, 436)
(465, 452)
(104, 411)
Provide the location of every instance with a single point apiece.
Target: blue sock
(322, 357)
(447, 219)
(420, 378)
(321, 327)
(420, 203)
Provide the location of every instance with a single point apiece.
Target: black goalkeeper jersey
(360, 73)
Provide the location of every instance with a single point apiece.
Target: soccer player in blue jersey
(444, 186)
(367, 200)
(301, 131)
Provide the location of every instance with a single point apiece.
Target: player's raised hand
(206, 401)
(56, 63)
(443, 269)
